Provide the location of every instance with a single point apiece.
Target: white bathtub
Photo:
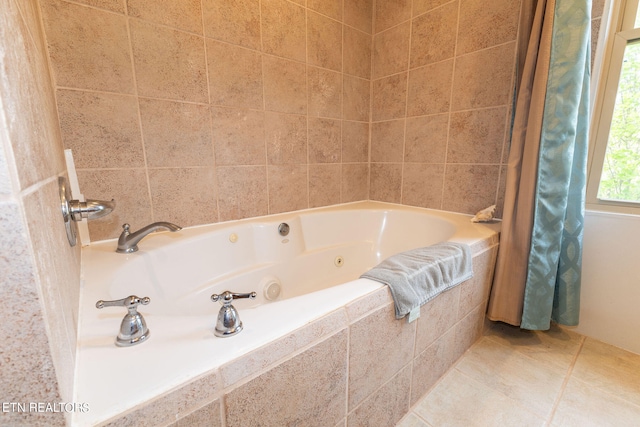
(179, 272)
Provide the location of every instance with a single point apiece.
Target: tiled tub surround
(313, 358)
(202, 111)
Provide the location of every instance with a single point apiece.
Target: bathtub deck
(555, 378)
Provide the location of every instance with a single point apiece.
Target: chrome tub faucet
(128, 242)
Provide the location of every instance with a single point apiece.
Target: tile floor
(521, 378)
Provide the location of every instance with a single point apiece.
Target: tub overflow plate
(339, 261)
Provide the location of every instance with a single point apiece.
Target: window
(614, 173)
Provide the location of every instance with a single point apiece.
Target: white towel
(419, 275)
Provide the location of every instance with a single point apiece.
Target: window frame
(616, 30)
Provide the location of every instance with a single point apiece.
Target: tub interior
(321, 250)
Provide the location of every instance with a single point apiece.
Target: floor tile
(411, 420)
(500, 367)
(459, 400)
(556, 346)
(609, 368)
(587, 406)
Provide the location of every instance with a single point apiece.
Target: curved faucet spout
(128, 242)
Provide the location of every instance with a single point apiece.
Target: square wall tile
(483, 24)
(183, 15)
(387, 141)
(430, 89)
(422, 185)
(469, 188)
(357, 53)
(176, 134)
(238, 136)
(171, 406)
(324, 42)
(422, 6)
(325, 140)
(379, 347)
(386, 406)
(390, 12)
(128, 187)
(235, 75)
(433, 35)
(355, 142)
(286, 136)
(185, 196)
(468, 331)
(477, 136)
(431, 364)
(101, 129)
(324, 88)
(288, 188)
(386, 182)
(210, 415)
(112, 5)
(356, 98)
(426, 139)
(359, 14)
(242, 192)
(32, 127)
(484, 78)
(79, 58)
(324, 184)
(389, 99)
(236, 22)
(436, 318)
(169, 63)
(285, 85)
(278, 397)
(391, 51)
(331, 8)
(355, 182)
(58, 267)
(475, 291)
(283, 29)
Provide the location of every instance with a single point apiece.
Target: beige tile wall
(441, 94)
(203, 111)
(39, 271)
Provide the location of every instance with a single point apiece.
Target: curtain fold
(537, 275)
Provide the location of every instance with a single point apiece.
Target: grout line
(137, 100)
(406, 108)
(565, 382)
(453, 74)
(373, 18)
(216, 186)
(449, 59)
(264, 109)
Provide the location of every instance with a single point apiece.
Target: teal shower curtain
(539, 264)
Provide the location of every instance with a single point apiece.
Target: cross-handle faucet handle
(130, 302)
(226, 297)
(228, 323)
(133, 329)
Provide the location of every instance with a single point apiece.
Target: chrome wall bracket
(75, 210)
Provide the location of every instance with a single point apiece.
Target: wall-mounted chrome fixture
(74, 210)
